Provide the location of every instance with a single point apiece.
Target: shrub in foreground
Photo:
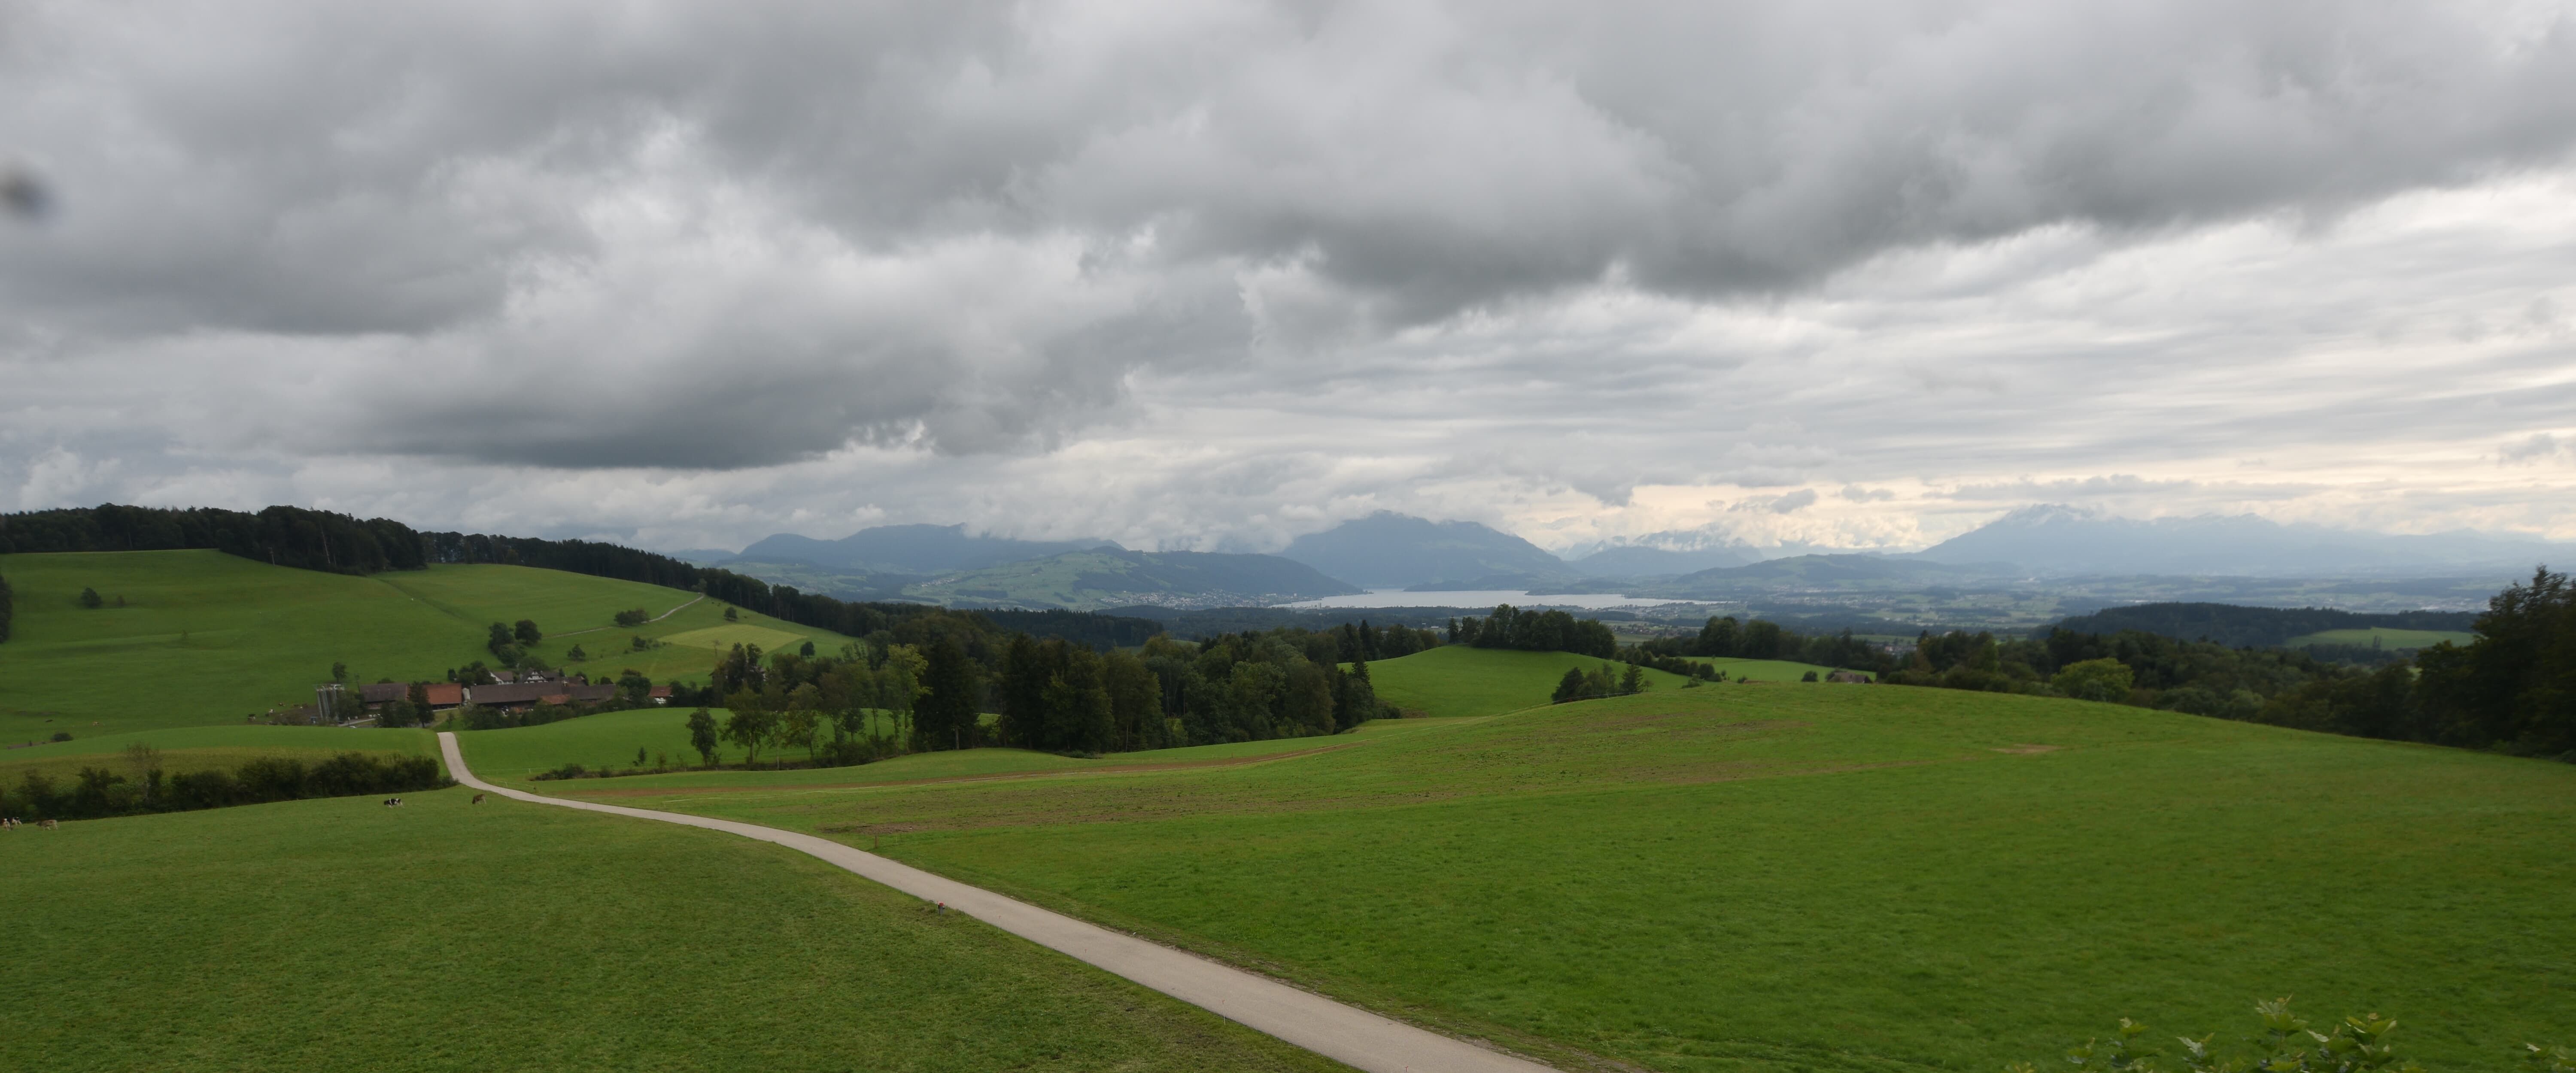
(2356, 1044)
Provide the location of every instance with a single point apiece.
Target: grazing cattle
(49, 825)
(393, 802)
(478, 799)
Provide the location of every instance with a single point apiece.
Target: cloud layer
(1209, 274)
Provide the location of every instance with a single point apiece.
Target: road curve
(1346, 1034)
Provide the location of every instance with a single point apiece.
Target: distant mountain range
(945, 563)
(910, 549)
(2065, 540)
(1641, 561)
(1812, 572)
(1115, 577)
(1389, 550)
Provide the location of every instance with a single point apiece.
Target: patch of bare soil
(2029, 750)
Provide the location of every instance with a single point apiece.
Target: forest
(2237, 626)
(2512, 689)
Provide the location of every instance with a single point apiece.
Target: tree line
(889, 693)
(101, 791)
(2511, 689)
(1552, 630)
(2237, 626)
(7, 608)
(282, 536)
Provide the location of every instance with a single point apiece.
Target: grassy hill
(337, 934)
(207, 638)
(610, 741)
(1109, 577)
(2386, 636)
(1776, 877)
(1459, 680)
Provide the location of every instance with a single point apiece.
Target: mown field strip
(1343, 1033)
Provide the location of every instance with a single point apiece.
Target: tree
(638, 689)
(339, 671)
(576, 655)
(2103, 679)
(702, 736)
(631, 619)
(750, 726)
(1632, 680)
(145, 761)
(799, 727)
(89, 598)
(732, 616)
(806, 650)
(1569, 687)
(1135, 702)
(945, 714)
(526, 633)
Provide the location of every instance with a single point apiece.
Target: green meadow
(338, 935)
(1750, 876)
(2387, 638)
(1455, 680)
(1785, 876)
(1765, 670)
(206, 638)
(609, 741)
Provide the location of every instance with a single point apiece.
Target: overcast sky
(1208, 275)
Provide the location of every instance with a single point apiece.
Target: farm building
(442, 695)
(524, 694)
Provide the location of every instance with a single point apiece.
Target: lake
(1483, 599)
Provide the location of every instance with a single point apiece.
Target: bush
(632, 618)
(61, 735)
(2356, 1044)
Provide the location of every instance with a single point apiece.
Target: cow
(478, 799)
(393, 802)
(49, 825)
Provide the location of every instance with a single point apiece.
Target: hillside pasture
(2386, 637)
(338, 934)
(596, 741)
(203, 638)
(1783, 876)
(1765, 670)
(206, 638)
(1458, 680)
